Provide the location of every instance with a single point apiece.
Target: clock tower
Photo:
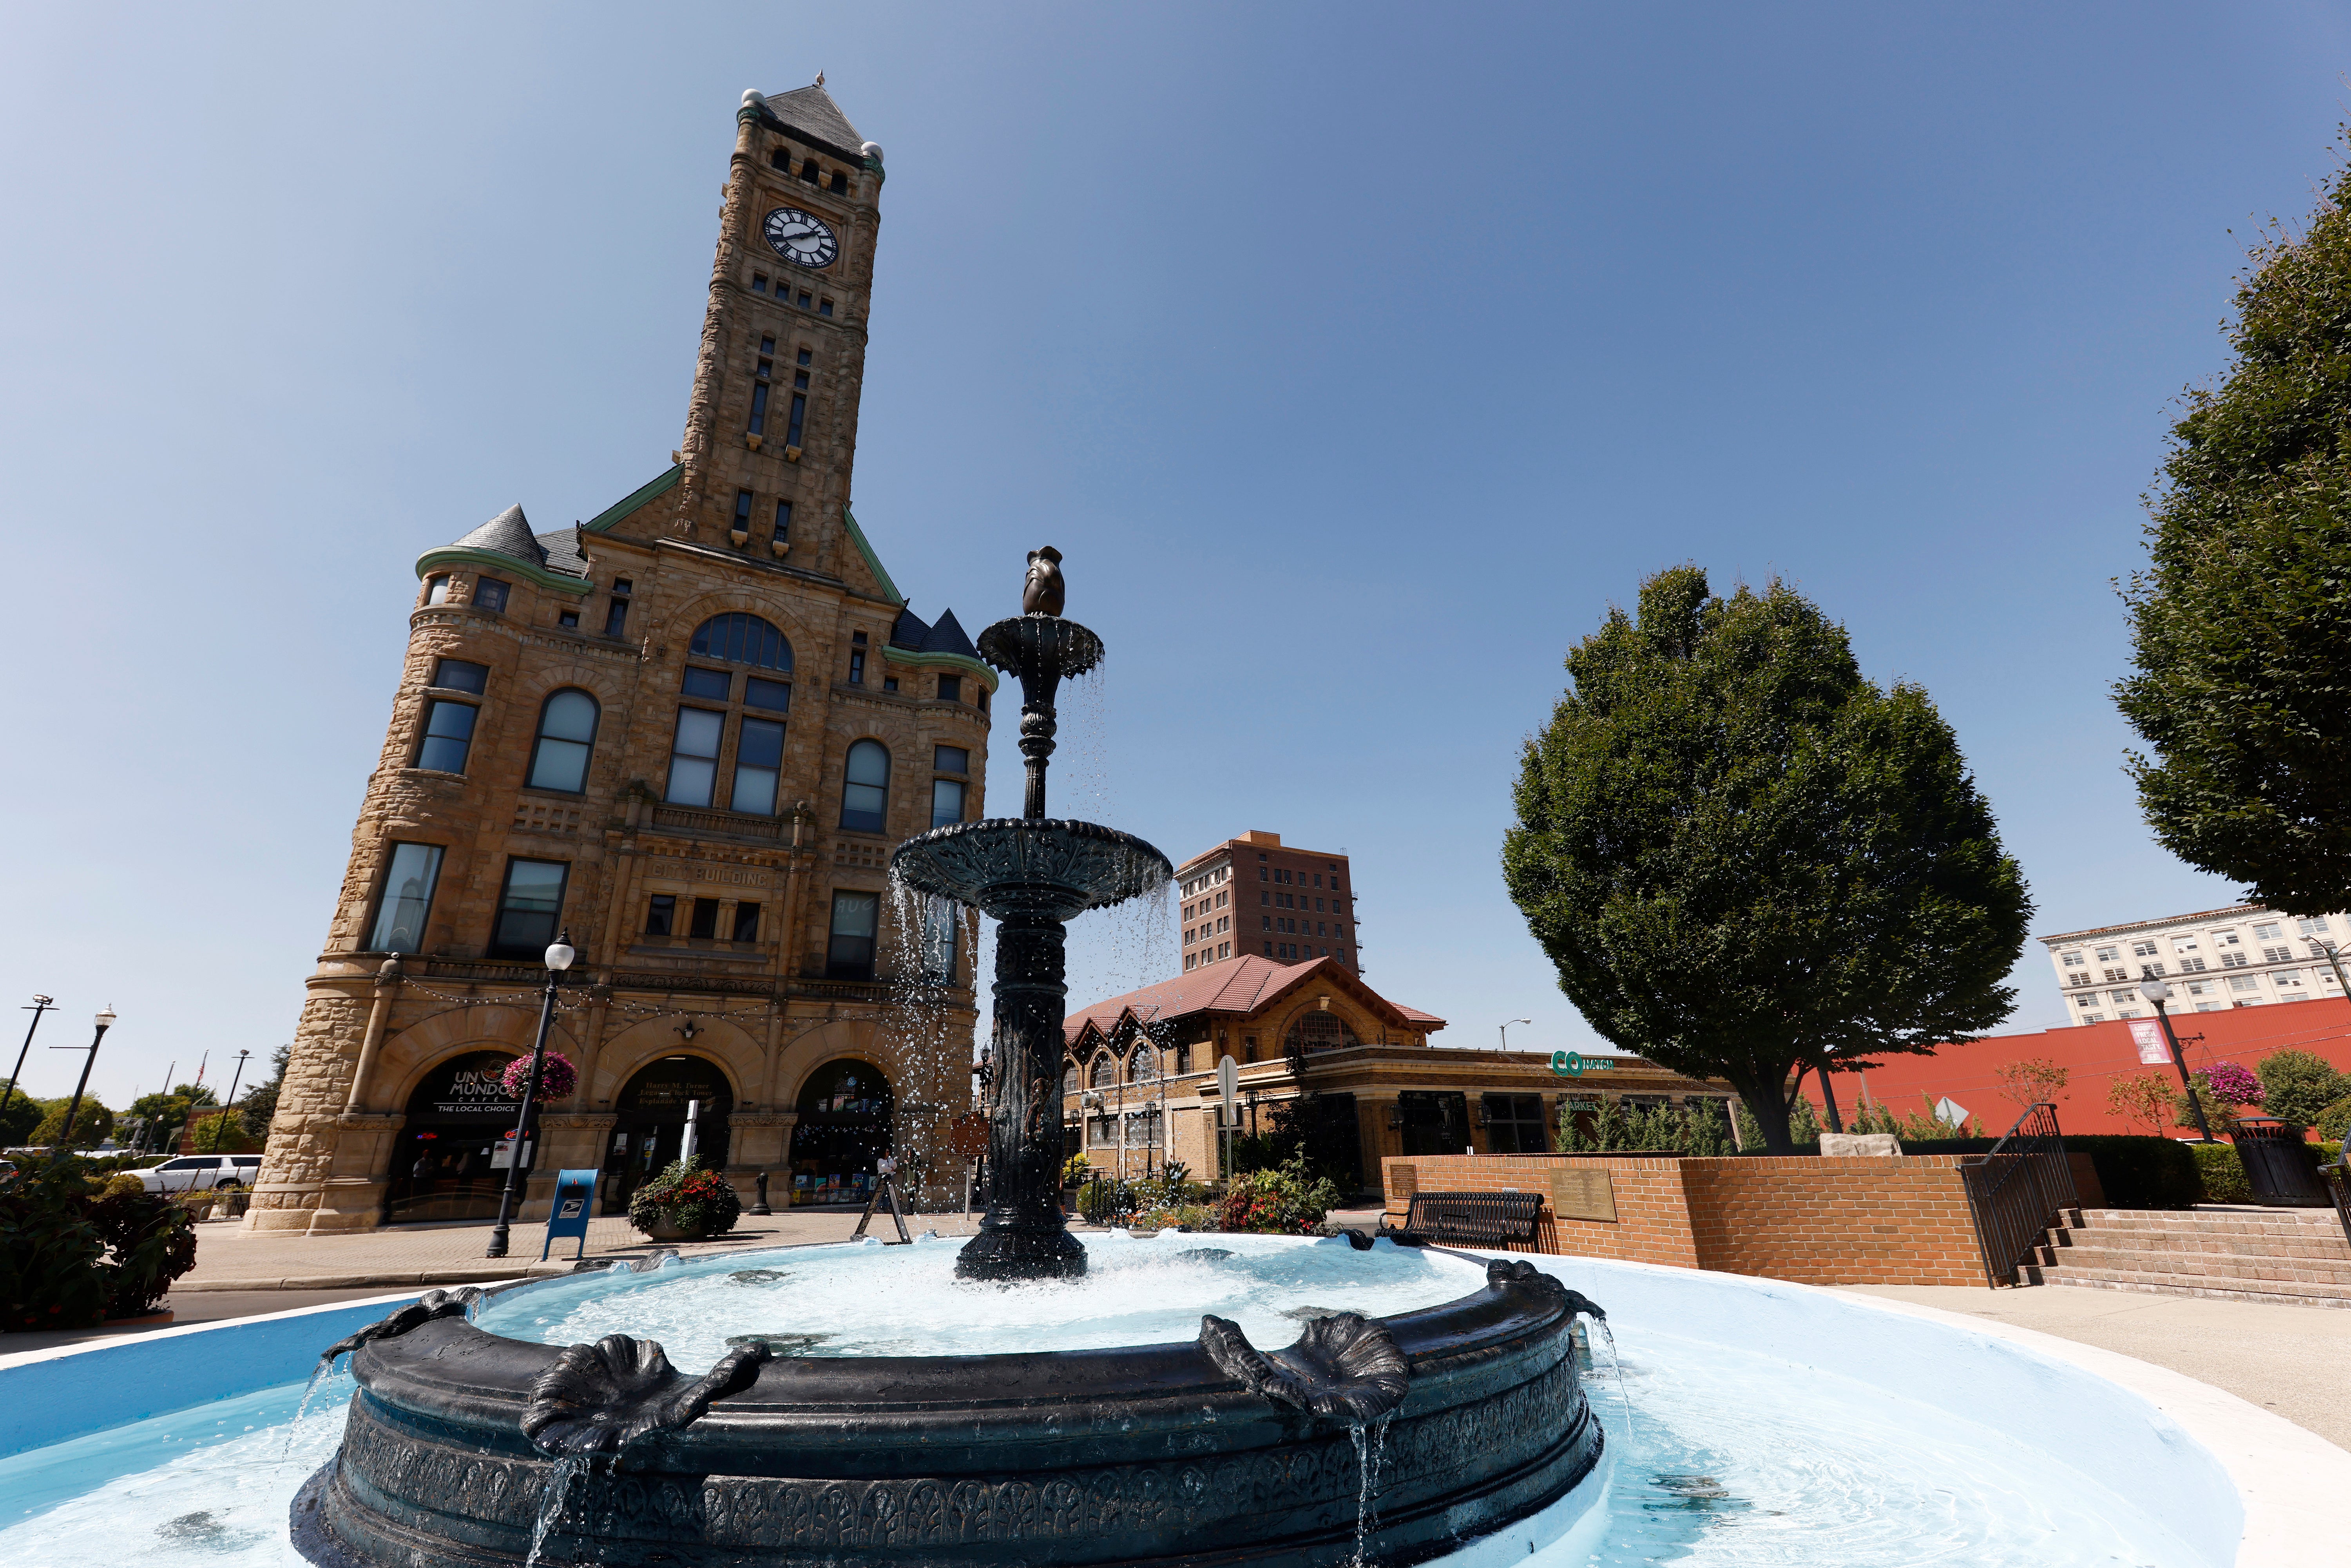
(684, 735)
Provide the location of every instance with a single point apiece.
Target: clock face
(800, 237)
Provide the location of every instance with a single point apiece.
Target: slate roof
(914, 634)
(1241, 985)
(508, 534)
(810, 111)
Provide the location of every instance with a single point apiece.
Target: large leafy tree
(2241, 622)
(1747, 859)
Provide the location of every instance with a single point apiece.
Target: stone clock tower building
(689, 732)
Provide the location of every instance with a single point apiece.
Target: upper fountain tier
(1031, 867)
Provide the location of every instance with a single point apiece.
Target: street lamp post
(234, 1080)
(2333, 962)
(559, 958)
(105, 1021)
(2159, 993)
(1506, 1031)
(41, 1004)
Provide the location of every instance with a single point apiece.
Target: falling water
(1616, 1371)
(1370, 1446)
(550, 1502)
(319, 1376)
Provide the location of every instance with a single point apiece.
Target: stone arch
(727, 1046)
(404, 1058)
(676, 630)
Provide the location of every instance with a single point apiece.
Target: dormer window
(808, 173)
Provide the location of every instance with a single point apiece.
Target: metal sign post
(575, 1192)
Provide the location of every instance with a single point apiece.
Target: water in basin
(860, 1300)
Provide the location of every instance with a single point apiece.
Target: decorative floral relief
(424, 1310)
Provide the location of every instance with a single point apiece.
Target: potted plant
(685, 1203)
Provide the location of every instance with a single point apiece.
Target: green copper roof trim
(893, 654)
(872, 561)
(506, 565)
(635, 498)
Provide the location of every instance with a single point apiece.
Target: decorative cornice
(507, 565)
(894, 655)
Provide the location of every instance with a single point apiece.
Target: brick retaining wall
(1901, 1221)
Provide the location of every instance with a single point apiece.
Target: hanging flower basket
(557, 1077)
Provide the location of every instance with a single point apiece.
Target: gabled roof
(947, 637)
(1244, 985)
(810, 112)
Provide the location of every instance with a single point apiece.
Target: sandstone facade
(657, 730)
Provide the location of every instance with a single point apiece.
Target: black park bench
(1490, 1220)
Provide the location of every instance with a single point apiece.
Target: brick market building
(1139, 1076)
(1255, 894)
(689, 732)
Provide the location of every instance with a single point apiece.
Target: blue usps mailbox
(575, 1191)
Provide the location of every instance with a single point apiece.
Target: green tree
(17, 1122)
(1744, 858)
(259, 1105)
(2241, 622)
(2298, 1086)
(167, 1113)
(92, 1123)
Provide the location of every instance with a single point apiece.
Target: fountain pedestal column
(1025, 1235)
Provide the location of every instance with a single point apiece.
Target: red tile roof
(1242, 985)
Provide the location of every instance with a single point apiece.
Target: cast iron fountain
(467, 1449)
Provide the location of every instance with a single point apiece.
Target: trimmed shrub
(2334, 1124)
(2223, 1173)
(688, 1198)
(71, 1257)
(2300, 1087)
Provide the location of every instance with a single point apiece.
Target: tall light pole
(41, 1004)
(2159, 993)
(2333, 962)
(1506, 1031)
(559, 958)
(234, 1079)
(105, 1021)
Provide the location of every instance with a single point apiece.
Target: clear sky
(1358, 355)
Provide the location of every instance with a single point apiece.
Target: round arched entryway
(649, 1124)
(844, 1128)
(447, 1163)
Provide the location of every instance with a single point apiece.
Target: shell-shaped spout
(424, 1310)
(597, 1398)
(1344, 1368)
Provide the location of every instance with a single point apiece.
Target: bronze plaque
(1578, 1192)
(1405, 1180)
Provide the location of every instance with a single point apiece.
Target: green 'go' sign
(1567, 1064)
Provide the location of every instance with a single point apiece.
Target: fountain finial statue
(1033, 874)
(1044, 593)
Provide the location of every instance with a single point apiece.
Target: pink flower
(556, 1076)
(2234, 1085)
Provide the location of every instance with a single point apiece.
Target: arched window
(1070, 1079)
(1318, 1031)
(865, 788)
(742, 639)
(1104, 1073)
(1142, 1065)
(566, 729)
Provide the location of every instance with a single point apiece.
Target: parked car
(201, 1172)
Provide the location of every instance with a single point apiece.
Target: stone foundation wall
(1901, 1221)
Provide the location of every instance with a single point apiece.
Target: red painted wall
(2095, 1054)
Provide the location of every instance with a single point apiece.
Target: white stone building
(2244, 955)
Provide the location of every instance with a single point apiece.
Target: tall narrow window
(448, 735)
(758, 423)
(839, 186)
(865, 788)
(616, 614)
(758, 763)
(530, 908)
(799, 417)
(941, 930)
(849, 953)
(406, 899)
(660, 915)
(705, 918)
(746, 922)
(857, 658)
(783, 522)
(946, 801)
(742, 511)
(436, 589)
(950, 688)
(808, 171)
(567, 730)
(490, 594)
(694, 756)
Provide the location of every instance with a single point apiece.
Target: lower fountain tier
(1092, 1457)
(1013, 868)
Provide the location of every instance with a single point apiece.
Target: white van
(201, 1172)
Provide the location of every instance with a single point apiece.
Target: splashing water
(1370, 1448)
(1616, 1371)
(550, 1502)
(318, 1375)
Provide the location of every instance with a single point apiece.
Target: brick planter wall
(1900, 1221)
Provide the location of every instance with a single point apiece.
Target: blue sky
(1359, 357)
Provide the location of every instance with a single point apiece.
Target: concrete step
(2218, 1286)
(2312, 1246)
(2088, 1256)
(2278, 1222)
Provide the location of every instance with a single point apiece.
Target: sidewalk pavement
(2293, 1360)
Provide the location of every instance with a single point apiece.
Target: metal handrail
(2337, 1177)
(2015, 1188)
